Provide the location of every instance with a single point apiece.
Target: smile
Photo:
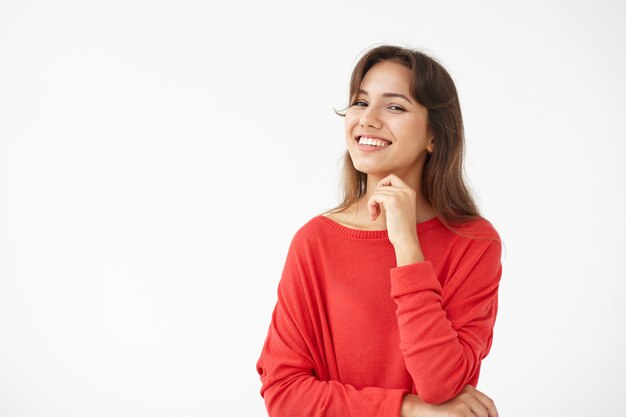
(369, 144)
(372, 143)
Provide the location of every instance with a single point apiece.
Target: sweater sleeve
(292, 368)
(446, 332)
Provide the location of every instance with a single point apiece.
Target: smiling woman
(418, 94)
(382, 109)
(387, 303)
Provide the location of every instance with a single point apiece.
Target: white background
(157, 157)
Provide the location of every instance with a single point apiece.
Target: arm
(291, 388)
(293, 366)
(446, 332)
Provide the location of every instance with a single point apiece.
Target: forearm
(308, 396)
(408, 253)
(439, 360)
(444, 335)
(295, 382)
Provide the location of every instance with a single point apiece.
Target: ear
(431, 144)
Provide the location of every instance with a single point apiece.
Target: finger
(396, 188)
(478, 409)
(409, 192)
(487, 403)
(465, 410)
(384, 191)
(392, 179)
(385, 181)
(373, 206)
(393, 197)
(388, 188)
(373, 210)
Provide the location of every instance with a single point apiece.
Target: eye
(394, 107)
(359, 103)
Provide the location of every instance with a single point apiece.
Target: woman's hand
(398, 200)
(468, 403)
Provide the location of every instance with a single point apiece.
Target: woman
(387, 303)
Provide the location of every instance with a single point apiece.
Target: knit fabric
(352, 333)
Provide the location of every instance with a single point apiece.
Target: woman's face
(384, 109)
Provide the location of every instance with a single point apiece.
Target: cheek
(415, 129)
(350, 122)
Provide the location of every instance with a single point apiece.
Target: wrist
(408, 253)
(411, 406)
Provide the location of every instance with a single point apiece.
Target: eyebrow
(361, 91)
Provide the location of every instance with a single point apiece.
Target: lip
(367, 148)
(372, 137)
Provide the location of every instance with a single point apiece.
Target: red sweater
(352, 333)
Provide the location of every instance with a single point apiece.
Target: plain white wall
(157, 157)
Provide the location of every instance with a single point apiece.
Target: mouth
(372, 141)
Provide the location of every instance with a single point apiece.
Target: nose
(370, 118)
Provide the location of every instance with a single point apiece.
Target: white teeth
(369, 141)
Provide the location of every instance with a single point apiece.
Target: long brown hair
(443, 184)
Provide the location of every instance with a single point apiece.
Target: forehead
(389, 76)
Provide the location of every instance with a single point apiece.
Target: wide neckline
(374, 234)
